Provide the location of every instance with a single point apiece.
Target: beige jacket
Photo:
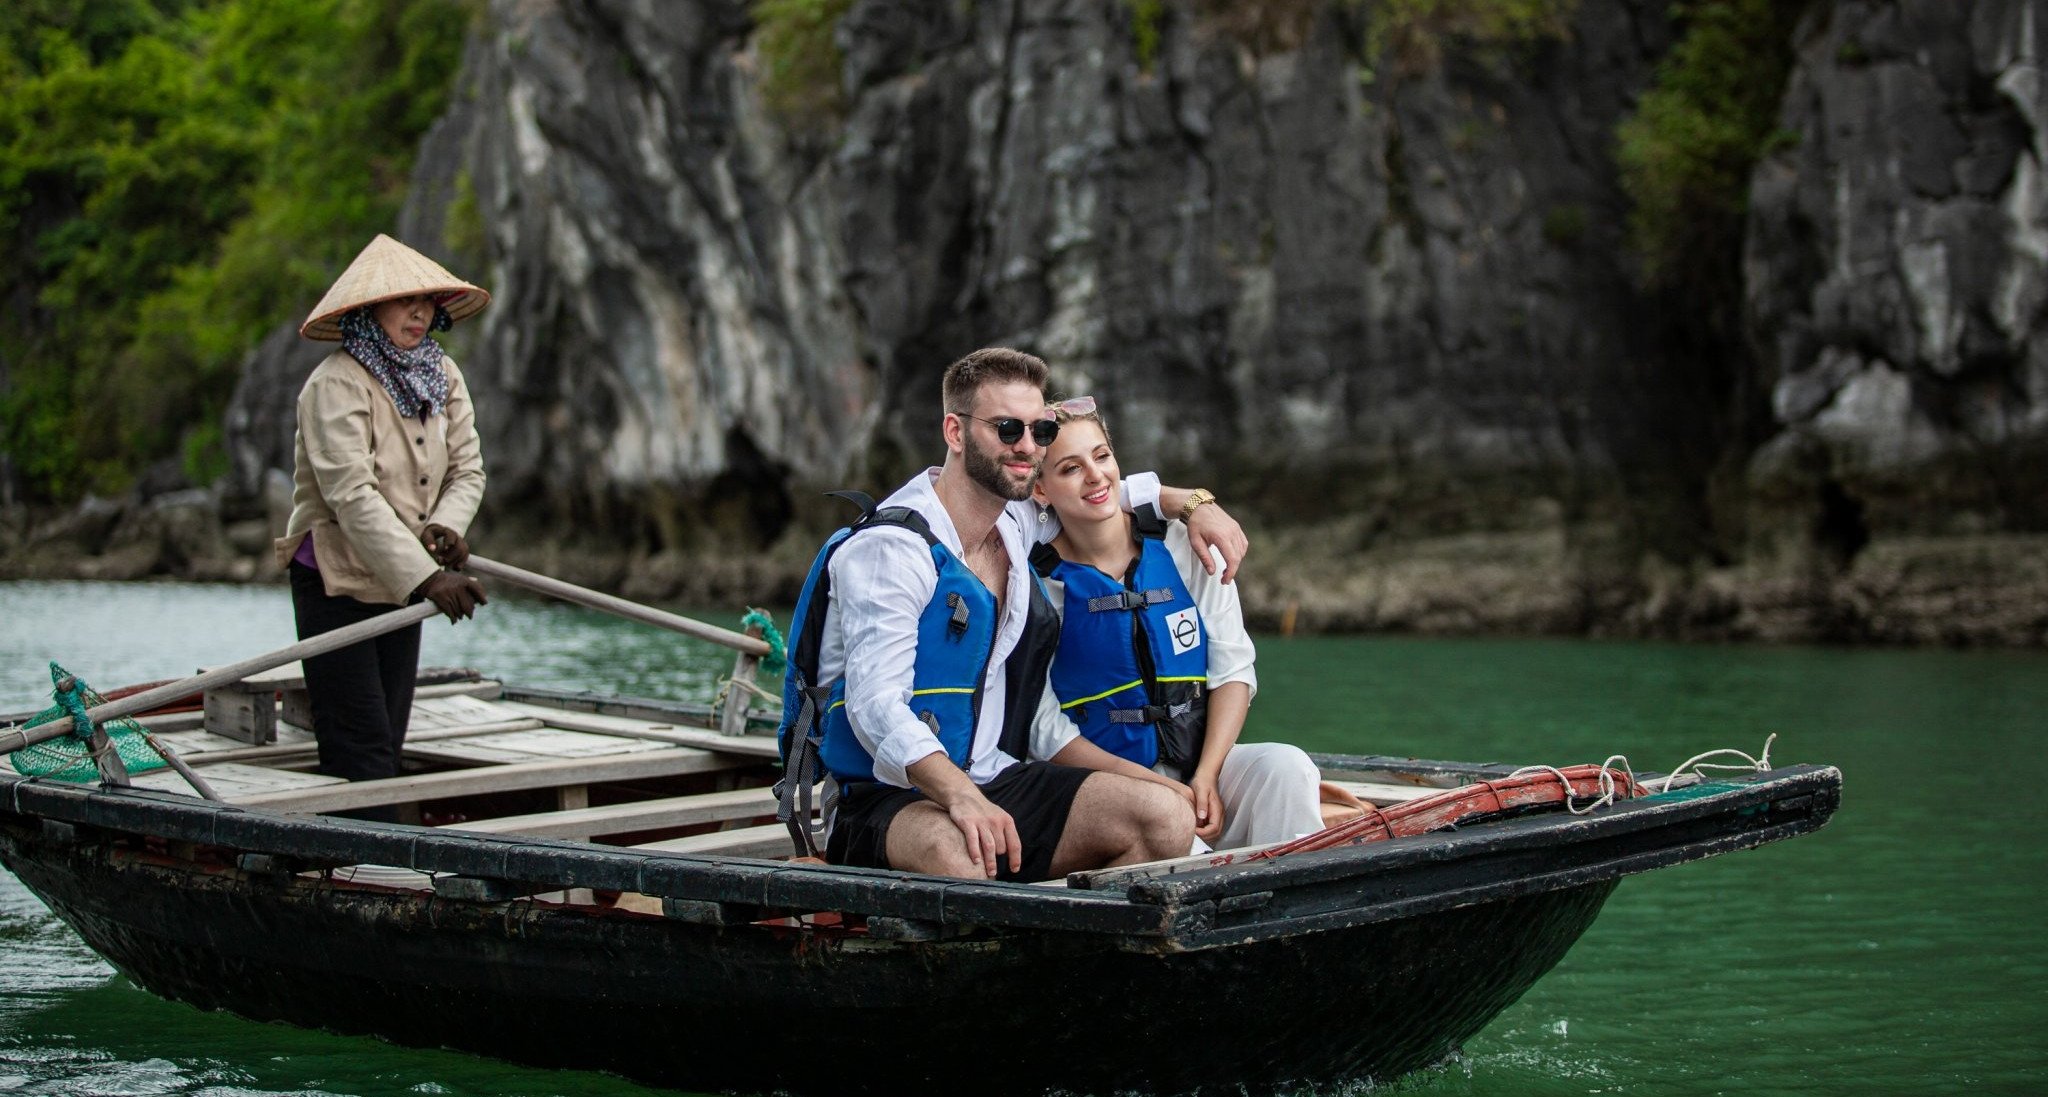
(365, 481)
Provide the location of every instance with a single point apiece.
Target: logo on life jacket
(1185, 628)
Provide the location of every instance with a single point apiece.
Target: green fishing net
(69, 757)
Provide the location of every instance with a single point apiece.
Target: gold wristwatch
(1195, 499)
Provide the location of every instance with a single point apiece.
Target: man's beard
(986, 470)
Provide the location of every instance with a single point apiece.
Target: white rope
(726, 686)
(1608, 790)
(1699, 764)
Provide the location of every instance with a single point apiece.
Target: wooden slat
(770, 840)
(198, 743)
(676, 811)
(459, 709)
(239, 782)
(301, 743)
(531, 744)
(670, 762)
(757, 746)
(1382, 793)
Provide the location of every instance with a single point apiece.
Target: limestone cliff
(1899, 311)
(1388, 294)
(1382, 302)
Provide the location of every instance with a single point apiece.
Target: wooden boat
(603, 891)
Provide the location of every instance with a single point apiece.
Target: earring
(1044, 515)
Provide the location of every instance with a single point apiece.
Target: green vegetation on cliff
(175, 179)
(800, 61)
(1413, 35)
(1687, 151)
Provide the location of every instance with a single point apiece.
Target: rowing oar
(20, 738)
(632, 611)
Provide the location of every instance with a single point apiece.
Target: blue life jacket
(1132, 665)
(955, 638)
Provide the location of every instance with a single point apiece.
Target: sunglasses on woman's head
(1073, 406)
(1009, 428)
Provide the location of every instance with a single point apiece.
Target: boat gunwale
(1187, 907)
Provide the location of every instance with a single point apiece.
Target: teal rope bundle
(69, 758)
(777, 659)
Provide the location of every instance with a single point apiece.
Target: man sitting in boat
(1154, 662)
(925, 679)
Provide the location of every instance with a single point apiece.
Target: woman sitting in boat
(1154, 663)
(386, 476)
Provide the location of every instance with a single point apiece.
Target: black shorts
(1038, 796)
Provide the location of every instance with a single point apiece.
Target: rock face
(1387, 291)
(1899, 307)
(1382, 303)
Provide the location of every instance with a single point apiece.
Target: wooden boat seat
(675, 811)
(758, 746)
(770, 840)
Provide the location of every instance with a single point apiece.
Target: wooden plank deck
(553, 773)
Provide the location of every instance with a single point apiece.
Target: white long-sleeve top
(881, 582)
(1231, 655)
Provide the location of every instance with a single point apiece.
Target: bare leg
(923, 838)
(1119, 821)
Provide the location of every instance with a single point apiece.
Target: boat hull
(752, 1009)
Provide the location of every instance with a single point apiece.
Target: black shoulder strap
(900, 516)
(1044, 558)
(1148, 522)
(1026, 671)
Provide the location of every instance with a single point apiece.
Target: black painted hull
(1357, 963)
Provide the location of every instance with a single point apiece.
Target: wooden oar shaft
(150, 698)
(632, 611)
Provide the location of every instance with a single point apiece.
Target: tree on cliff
(176, 177)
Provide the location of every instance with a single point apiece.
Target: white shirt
(1231, 654)
(882, 581)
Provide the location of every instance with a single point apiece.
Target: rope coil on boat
(1452, 806)
(1581, 789)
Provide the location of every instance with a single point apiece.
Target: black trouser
(362, 694)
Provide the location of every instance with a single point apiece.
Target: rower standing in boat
(387, 474)
(924, 664)
(1154, 663)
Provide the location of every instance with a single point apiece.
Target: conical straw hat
(388, 269)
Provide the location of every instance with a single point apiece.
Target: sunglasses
(1078, 405)
(1009, 428)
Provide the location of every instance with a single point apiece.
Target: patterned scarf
(412, 377)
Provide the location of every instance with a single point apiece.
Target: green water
(1901, 950)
